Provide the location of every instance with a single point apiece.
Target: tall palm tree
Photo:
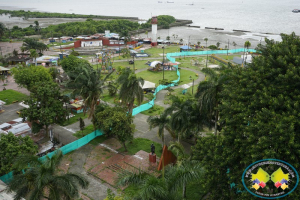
(131, 88)
(149, 187)
(87, 82)
(34, 54)
(206, 39)
(162, 122)
(41, 180)
(208, 94)
(234, 44)
(185, 117)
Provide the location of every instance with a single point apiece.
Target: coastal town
(111, 108)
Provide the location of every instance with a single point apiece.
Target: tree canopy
(41, 180)
(72, 62)
(114, 121)
(28, 76)
(45, 104)
(11, 147)
(259, 109)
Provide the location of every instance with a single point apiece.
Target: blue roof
(185, 47)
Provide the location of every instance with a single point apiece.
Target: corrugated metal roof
(20, 128)
(18, 120)
(5, 125)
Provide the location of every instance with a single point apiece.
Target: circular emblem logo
(270, 179)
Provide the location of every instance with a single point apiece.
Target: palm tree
(162, 122)
(148, 187)
(131, 88)
(185, 117)
(87, 82)
(206, 39)
(218, 44)
(208, 94)
(41, 180)
(234, 44)
(34, 54)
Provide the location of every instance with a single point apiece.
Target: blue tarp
(185, 47)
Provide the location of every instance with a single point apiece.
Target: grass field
(87, 130)
(230, 57)
(155, 110)
(74, 119)
(178, 92)
(157, 51)
(9, 96)
(142, 144)
(169, 75)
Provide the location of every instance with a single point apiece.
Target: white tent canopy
(154, 63)
(148, 84)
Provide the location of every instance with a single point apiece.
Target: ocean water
(262, 16)
(257, 16)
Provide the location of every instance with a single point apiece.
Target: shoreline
(187, 33)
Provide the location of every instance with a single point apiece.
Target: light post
(189, 43)
(227, 49)
(206, 58)
(163, 62)
(193, 87)
(133, 63)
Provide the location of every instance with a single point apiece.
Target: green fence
(65, 149)
(86, 139)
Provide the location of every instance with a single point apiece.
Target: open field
(169, 75)
(9, 96)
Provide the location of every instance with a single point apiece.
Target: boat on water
(295, 10)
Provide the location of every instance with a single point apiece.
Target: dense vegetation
(259, 119)
(88, 27)
(163, 20)
(30, 14)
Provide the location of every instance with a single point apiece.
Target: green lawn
(156, 51)
(230, 57)
(138, 64)
(155, 110)
(9, 96)
(189, 62)
(87, 130)
(169, 75)
(142, 144)
(178, 92)
(74, 119)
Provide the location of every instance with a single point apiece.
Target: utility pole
(163, 62)
(206, 58)
(227, 49)
(193, 87)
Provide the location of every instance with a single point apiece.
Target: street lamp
(163, 62)
(193, 87)
(133, 63)
(206, 58)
